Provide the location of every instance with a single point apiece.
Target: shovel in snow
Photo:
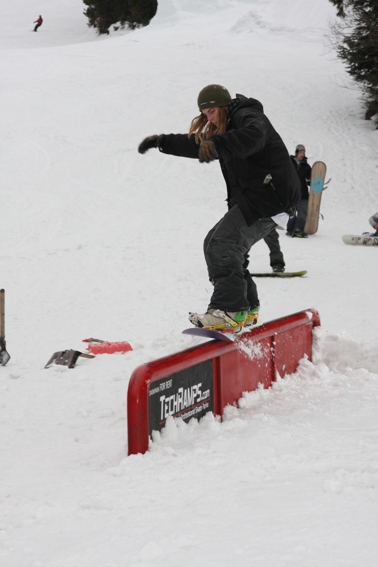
(67, 358)
(4, 355)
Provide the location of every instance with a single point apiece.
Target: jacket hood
(241, 101)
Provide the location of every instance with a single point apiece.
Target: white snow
(97, 240)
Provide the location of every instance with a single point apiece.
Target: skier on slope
(261, 183)
(39, 22)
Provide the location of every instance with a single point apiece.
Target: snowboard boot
(218, 320)
(278, 268)
(299, 234)
(252, 319)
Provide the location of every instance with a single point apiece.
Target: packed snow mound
(272, 16)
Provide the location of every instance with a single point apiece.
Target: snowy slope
(97, 240)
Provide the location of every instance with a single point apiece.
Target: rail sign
(186, 394)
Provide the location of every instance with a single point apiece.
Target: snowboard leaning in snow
(318, 174)
(280, 274)
(361, 239)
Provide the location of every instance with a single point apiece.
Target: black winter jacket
(257, 168)
(304, 173)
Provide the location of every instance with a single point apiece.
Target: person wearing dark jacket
(39, 22)
(295, 227)
(262, 187)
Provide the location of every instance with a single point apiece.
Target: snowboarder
(262, 186)
(296, 225)
(39, 22)
(373, 221)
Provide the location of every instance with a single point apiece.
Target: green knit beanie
(212, 96)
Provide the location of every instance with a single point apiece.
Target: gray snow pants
(226, 250)
(298, 222)
(275, 253)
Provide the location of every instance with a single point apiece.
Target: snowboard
(209, 333)
(280, 274)
(362, 239)
(220, 335)
(318, 173)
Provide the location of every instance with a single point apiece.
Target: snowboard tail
(209, 333)
(227, 335)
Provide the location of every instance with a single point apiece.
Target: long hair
(202, 129)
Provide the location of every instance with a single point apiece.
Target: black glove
(150, 142)
(207, 151)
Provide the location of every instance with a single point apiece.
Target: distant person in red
(39, 22)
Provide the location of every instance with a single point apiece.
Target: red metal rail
(256, 358)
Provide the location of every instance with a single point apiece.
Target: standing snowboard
(318, 174)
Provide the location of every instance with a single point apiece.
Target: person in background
(277, 261)
(39, 22)
(296, 224)
(262, 188)
(373, 221)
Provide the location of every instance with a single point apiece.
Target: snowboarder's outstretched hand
(207, 151)
(150, 142)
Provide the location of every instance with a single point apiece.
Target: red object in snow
(109, 348)
(258, 358)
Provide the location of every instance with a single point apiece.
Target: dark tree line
(356, 38)
(131, 13)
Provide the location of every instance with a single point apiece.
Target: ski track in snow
(98, 240)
